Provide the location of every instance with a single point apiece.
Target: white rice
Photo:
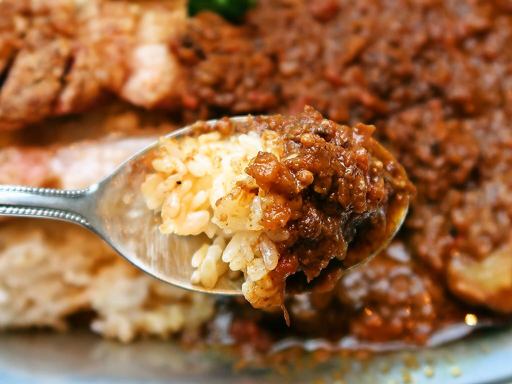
(51, 270)
(200, 187)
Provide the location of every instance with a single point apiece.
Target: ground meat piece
(272, 175)
(445, 151)
(277, 211)
(350, 185)
(225, 72)
(324, 10)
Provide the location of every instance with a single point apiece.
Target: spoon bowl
(116, 211)
(125, 222)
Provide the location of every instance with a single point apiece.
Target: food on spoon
(277, 195)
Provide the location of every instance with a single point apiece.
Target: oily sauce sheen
(326, 186)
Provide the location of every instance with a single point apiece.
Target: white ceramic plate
(84, 358)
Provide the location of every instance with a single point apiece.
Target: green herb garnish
(232, 10)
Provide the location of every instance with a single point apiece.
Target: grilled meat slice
(60, 57)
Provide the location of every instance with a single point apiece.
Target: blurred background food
(85, 83)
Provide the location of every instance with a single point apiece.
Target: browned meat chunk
(60, 57)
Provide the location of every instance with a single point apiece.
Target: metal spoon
(115, 210)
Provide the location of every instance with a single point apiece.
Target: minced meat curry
(329, 197)
(328, 185)
(434, 77)
(436, 80)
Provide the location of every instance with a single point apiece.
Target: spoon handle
(47, 203)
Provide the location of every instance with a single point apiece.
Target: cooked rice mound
(50, 271)
(200, 187)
